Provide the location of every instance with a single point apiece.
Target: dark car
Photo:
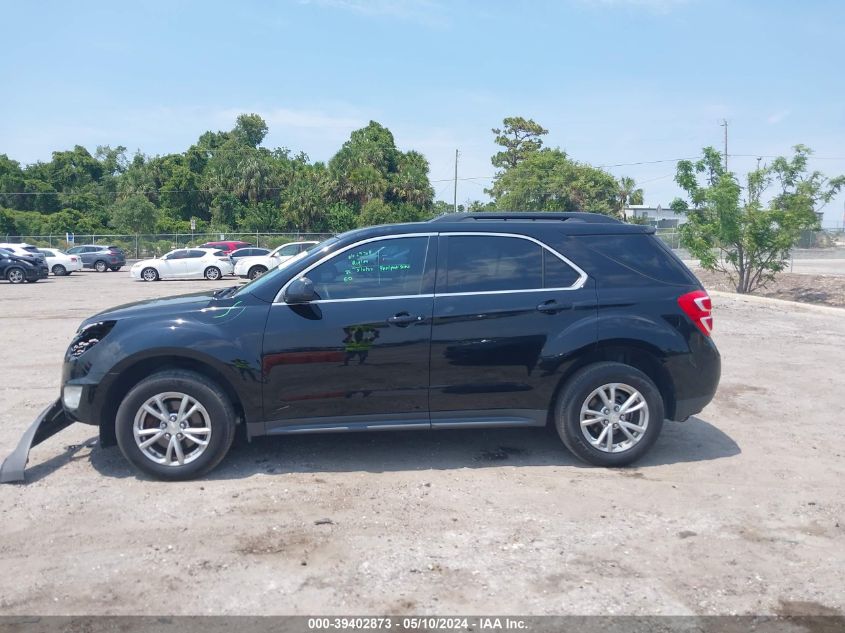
(226, 245)
(18, 269)
(468, 321)
(100, 258)
(249, 251)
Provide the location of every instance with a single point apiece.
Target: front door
(507, 313)
(358, 357)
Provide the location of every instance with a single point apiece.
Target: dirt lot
(822, 289)
(737, 511)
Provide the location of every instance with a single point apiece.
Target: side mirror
(301, 290)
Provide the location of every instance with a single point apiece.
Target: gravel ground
(739, 510)
(827, 289)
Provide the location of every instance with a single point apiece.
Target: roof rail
(528, 216)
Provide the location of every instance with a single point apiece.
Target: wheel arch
(137, 370)
(637, 354)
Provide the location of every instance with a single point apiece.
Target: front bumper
(46, 425)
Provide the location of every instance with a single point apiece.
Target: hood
(25, 259)
(178, 305)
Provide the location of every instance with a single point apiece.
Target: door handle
(403, 319)
(551, 306)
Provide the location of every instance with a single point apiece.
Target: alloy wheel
(172, 429)
(15, 276)
(614, 417)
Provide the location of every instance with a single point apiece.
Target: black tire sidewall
(568, 412)
(220, 411)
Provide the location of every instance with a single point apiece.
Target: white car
(24, 249)
(60, 263)
(184, 263)
(252, 267)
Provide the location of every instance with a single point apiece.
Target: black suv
(100, 258)
(470, 320)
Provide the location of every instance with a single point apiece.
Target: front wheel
(175, 425)
(15, 275)
(59, 270)
(609, 414)
(213, 273)
(149, 274)
(100, 266)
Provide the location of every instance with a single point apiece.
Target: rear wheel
(59, 270)
(256, 271)
(175, 425)
(15, 275)
(100, 266)
(149, 274)
(609, 414)
(213, 273)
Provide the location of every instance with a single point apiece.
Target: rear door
(507, 312)
(194, 264)
(359, 356)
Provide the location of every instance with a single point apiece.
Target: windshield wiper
(225, 292)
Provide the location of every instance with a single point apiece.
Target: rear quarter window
(644, 254)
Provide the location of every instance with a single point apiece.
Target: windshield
(269, 276)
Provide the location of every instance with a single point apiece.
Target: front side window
(481, 263)
(382, 268)
(195, 254)
(288, 250)
(176, 255)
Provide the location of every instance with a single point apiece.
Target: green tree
(135, 215)
(548, 180)
(628, 193)
(743, 237)
(519, 137)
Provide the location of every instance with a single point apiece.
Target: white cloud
(777, 117)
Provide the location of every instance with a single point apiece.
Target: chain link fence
(154, 245)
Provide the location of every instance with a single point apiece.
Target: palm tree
(627, 194)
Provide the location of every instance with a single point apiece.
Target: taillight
(696, 305)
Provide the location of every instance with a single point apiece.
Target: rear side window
(477, 263)
(644, 254)
(556, 272)
(217, 253)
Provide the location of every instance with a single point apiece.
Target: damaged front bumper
(51, 420)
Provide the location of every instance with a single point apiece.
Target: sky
(631, 85)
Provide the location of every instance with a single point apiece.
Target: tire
(59, 270)
(114, 269)
(215, 413)
(149, 274)
(100, 266)
(580, 396)
(212, 273)
(15, 275)
(256, 271)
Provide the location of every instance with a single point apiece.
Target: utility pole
(725, 125)
(455, 201)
